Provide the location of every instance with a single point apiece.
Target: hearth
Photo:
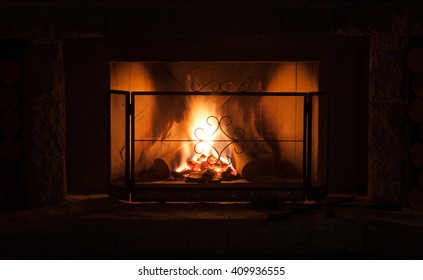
(217, 131)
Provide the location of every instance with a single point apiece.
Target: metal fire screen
(222, 130)
(276, 142)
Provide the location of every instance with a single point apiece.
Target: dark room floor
(101, 227)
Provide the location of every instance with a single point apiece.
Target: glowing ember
(209, 172)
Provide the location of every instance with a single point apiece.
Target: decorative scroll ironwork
(224, 86)
(238, 132)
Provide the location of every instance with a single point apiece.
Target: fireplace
(222, 130)
(343, 75)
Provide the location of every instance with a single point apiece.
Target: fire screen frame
(132, 191)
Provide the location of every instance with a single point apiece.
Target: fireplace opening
(217, 130)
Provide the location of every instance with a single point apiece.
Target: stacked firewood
(203, 169)
(206, 169)
(209, 168)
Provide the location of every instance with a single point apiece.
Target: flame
(203, 151)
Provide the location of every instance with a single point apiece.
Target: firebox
(217, 131)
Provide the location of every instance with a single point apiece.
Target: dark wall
(11, 185)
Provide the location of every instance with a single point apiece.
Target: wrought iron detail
(224, 86)
(215, 121)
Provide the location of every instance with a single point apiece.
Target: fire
(204, 159)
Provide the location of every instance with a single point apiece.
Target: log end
(250, 170)
(161, 168)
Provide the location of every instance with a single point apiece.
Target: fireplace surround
(341, 74)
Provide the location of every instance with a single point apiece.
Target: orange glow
(182, 128)
(203, 153)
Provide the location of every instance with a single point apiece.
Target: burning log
(195, 176)
(202, 177)
(228, 175)
(243, 162)
(209, 175)
(180, 175)
(208, 168)
(162, 165)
